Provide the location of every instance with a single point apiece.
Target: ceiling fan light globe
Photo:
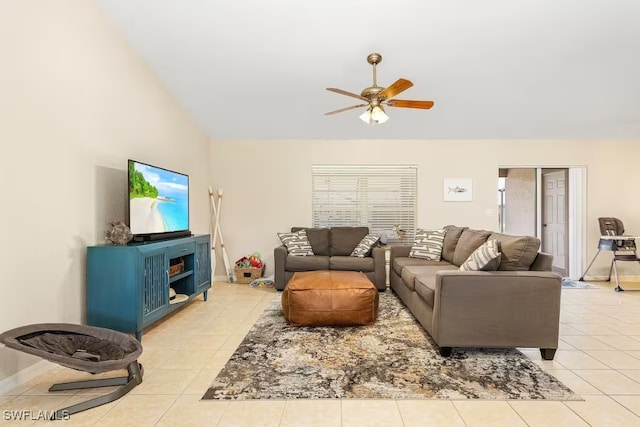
(378, 115)
(366, 116)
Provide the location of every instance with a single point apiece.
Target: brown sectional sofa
(516, 306)
(332, 248)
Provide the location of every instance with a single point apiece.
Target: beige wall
(267, 184)
(520, 201)
(76, 103)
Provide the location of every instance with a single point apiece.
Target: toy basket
(248, 274)
(176, 268)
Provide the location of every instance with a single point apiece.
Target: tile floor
(599, 358)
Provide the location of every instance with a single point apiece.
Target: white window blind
(381, 197)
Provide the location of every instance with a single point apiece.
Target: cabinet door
(203, 264)
(155, 289)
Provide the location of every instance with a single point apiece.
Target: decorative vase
(118, 233)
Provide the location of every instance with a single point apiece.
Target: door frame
(577, 214)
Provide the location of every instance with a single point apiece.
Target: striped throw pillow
(428, 244)
(365, 245)
(486, 257)
(297, 243)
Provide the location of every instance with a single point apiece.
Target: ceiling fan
(376, 97)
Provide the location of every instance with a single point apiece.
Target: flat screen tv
(158, 202)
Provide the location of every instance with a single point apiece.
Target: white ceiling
(258, 69)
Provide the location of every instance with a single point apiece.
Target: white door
(554, 218)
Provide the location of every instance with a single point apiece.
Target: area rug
(573, 284)
(392, 359)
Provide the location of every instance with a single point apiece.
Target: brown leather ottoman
(330, 298)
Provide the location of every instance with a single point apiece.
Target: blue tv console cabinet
(128, 286)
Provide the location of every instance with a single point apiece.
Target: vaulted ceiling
(258, 69)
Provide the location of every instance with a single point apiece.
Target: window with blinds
(382, 197)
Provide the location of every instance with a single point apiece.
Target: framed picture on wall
(458, 190)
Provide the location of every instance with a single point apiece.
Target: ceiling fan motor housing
(372, 92)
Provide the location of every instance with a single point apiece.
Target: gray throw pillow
(518, 252)
(428, 244)
(485, 258)
(297, 243)
(469, 241)
(364, 247)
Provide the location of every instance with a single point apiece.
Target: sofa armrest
(501, 308)
(398, 251)
(279, 257)
(542, 262)
(379, 268)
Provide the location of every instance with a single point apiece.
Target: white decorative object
(398, 232)
(458, 190)
(118, 233)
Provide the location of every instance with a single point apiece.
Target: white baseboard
(25, 375)
(621, 279)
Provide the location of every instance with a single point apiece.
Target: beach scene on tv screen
(158, 200)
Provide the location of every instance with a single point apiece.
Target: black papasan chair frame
(132, 349)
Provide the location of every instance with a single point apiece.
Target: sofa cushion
(518, 252)
(399, 263)
(425, 281)
(318, 238)
(408, 277)
(410, 272)
(306, 263)
(426, 293)
(451, 238)
(345, 239)
(469, 241)
(485, 258)
(364, 247)
(297, 243)
(428, 244)
(350, 263)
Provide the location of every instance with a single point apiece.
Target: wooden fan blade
(344, 92)
(345, 109)
(404, 103)
(399, 86)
